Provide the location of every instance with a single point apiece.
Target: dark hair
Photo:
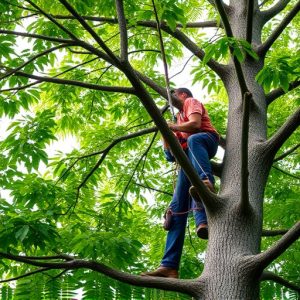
(184, 90)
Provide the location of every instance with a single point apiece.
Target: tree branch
(68, 32)
(282, 134)
(107, 149)
(123, 30)
(152, 189)
(36, 36)
(274, 10)
(190, 287)
(282, 156)
(268, 233)
(265, 258)
(34, 58)
(137, 165)
(202, 24)
(165, 64)
(286, 173)
(266, 275)
(273, 95)
(262, 50)
(250, 9)
(25, 275)
(39, 81)
(198, 52)
(116, 89)
(87, 27)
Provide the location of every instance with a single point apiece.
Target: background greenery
(116, 216)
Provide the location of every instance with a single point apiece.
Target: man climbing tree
(92, 69)
(199, 139)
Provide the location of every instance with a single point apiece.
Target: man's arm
(191, 126)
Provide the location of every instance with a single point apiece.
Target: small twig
(25, 275)
(286, 173)
(282, 156)
(136, 166)
(152, 189)
(48, 16)
(266, 275)
(183, 67)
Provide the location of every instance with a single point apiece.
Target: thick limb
(265, 258)
(190, 287)
(283, 133)
(274, 10)
(263, 49)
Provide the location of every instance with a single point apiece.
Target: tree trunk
(233, 234)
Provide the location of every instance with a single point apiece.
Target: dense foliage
(110, 210)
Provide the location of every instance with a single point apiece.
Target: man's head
(181, 94)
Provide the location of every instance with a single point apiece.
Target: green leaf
(22, 233)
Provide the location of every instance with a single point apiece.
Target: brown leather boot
(202, 231)
(162, 272)
(193, 192)
(209, 185)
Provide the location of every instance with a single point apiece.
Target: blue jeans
(201, 148)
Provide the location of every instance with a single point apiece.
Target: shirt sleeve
(193, 106)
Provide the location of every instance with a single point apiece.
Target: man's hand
(191, 126)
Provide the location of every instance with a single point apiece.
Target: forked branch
(262, 50)
(90, 30)
(107, 149)
(274, 10)
(68, 32)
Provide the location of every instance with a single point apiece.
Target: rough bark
(231, 270)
